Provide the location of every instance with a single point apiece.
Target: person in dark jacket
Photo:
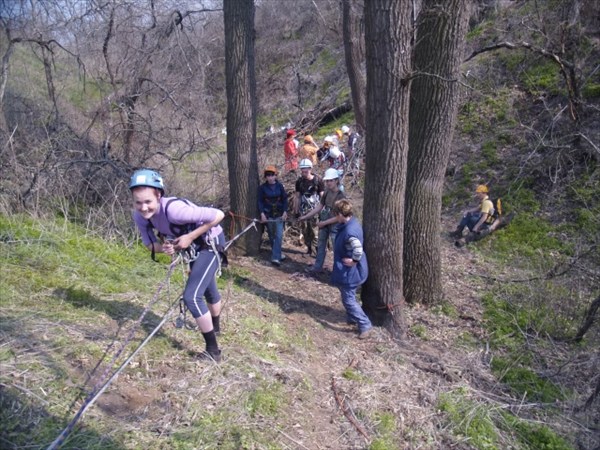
(273, 205)
(350, 268)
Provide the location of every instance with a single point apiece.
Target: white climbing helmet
(331, 174)
(306, 164)
(335, 152)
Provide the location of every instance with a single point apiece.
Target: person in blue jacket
(350, 268)
(273, 205)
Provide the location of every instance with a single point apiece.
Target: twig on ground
(346, 410)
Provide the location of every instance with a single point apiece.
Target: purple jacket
(180, 212)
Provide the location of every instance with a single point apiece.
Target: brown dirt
(352, 382)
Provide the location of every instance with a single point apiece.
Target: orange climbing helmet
(271, 168)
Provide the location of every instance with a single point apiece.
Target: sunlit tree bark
(354, 50)
(434, 100)
(388, 34)
(241, 112)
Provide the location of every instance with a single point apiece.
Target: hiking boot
(276, 262)
(456, 234)
(212, 355)
(314, 270)
(460, 242)
(365, 334)
(283, 257)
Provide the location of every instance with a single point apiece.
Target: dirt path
(368, 378)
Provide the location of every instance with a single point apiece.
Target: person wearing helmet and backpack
(308, 192)
(273, 205)
(337, 160)
(187, 226)
(478, 218)
(327, 221)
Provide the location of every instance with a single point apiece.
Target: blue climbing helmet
(146, 177)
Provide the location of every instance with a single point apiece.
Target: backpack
(497, 202)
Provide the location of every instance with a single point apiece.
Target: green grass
(68, 301)
(265, 400)
(488, 427)
(387, 432)
(524, 382)
(543, 77)
(469, 419)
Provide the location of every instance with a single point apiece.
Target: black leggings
(202, 282)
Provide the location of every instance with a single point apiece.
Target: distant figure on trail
(351, 150)
(350, 268)
(308, 150)
(327, 221)
(479, 218)
(308, 193)
(290, 151)
(273, 205)
(187, 226)
(323, 152)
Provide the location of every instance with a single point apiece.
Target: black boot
(456, 234)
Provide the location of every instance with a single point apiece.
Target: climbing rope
(101, 385)
(185, 257)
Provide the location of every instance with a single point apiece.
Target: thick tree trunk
(388, 33)
(441, 28)
(354, 51)
(242, 160)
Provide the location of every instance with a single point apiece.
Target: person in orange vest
(308, 150)
(290, 152)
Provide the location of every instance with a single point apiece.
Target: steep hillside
(504, 362)
(293, 375)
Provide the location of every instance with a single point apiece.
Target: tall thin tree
(354, 51)
(240, 80)
(388, 35)
(435, 91)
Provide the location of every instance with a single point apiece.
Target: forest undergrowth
(490, 367)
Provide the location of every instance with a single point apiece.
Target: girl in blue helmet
(186, 225)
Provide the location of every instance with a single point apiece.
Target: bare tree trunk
(388, 33)
(354, 51)
(433, 109)
(46, 59)
(158, 36)
(590, 317)
(242, 160)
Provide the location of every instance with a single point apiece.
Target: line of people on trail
(172, 225)
(329, 155)
(315, 197)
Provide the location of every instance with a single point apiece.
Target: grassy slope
(67, 297)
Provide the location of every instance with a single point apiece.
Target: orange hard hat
(271, 168)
